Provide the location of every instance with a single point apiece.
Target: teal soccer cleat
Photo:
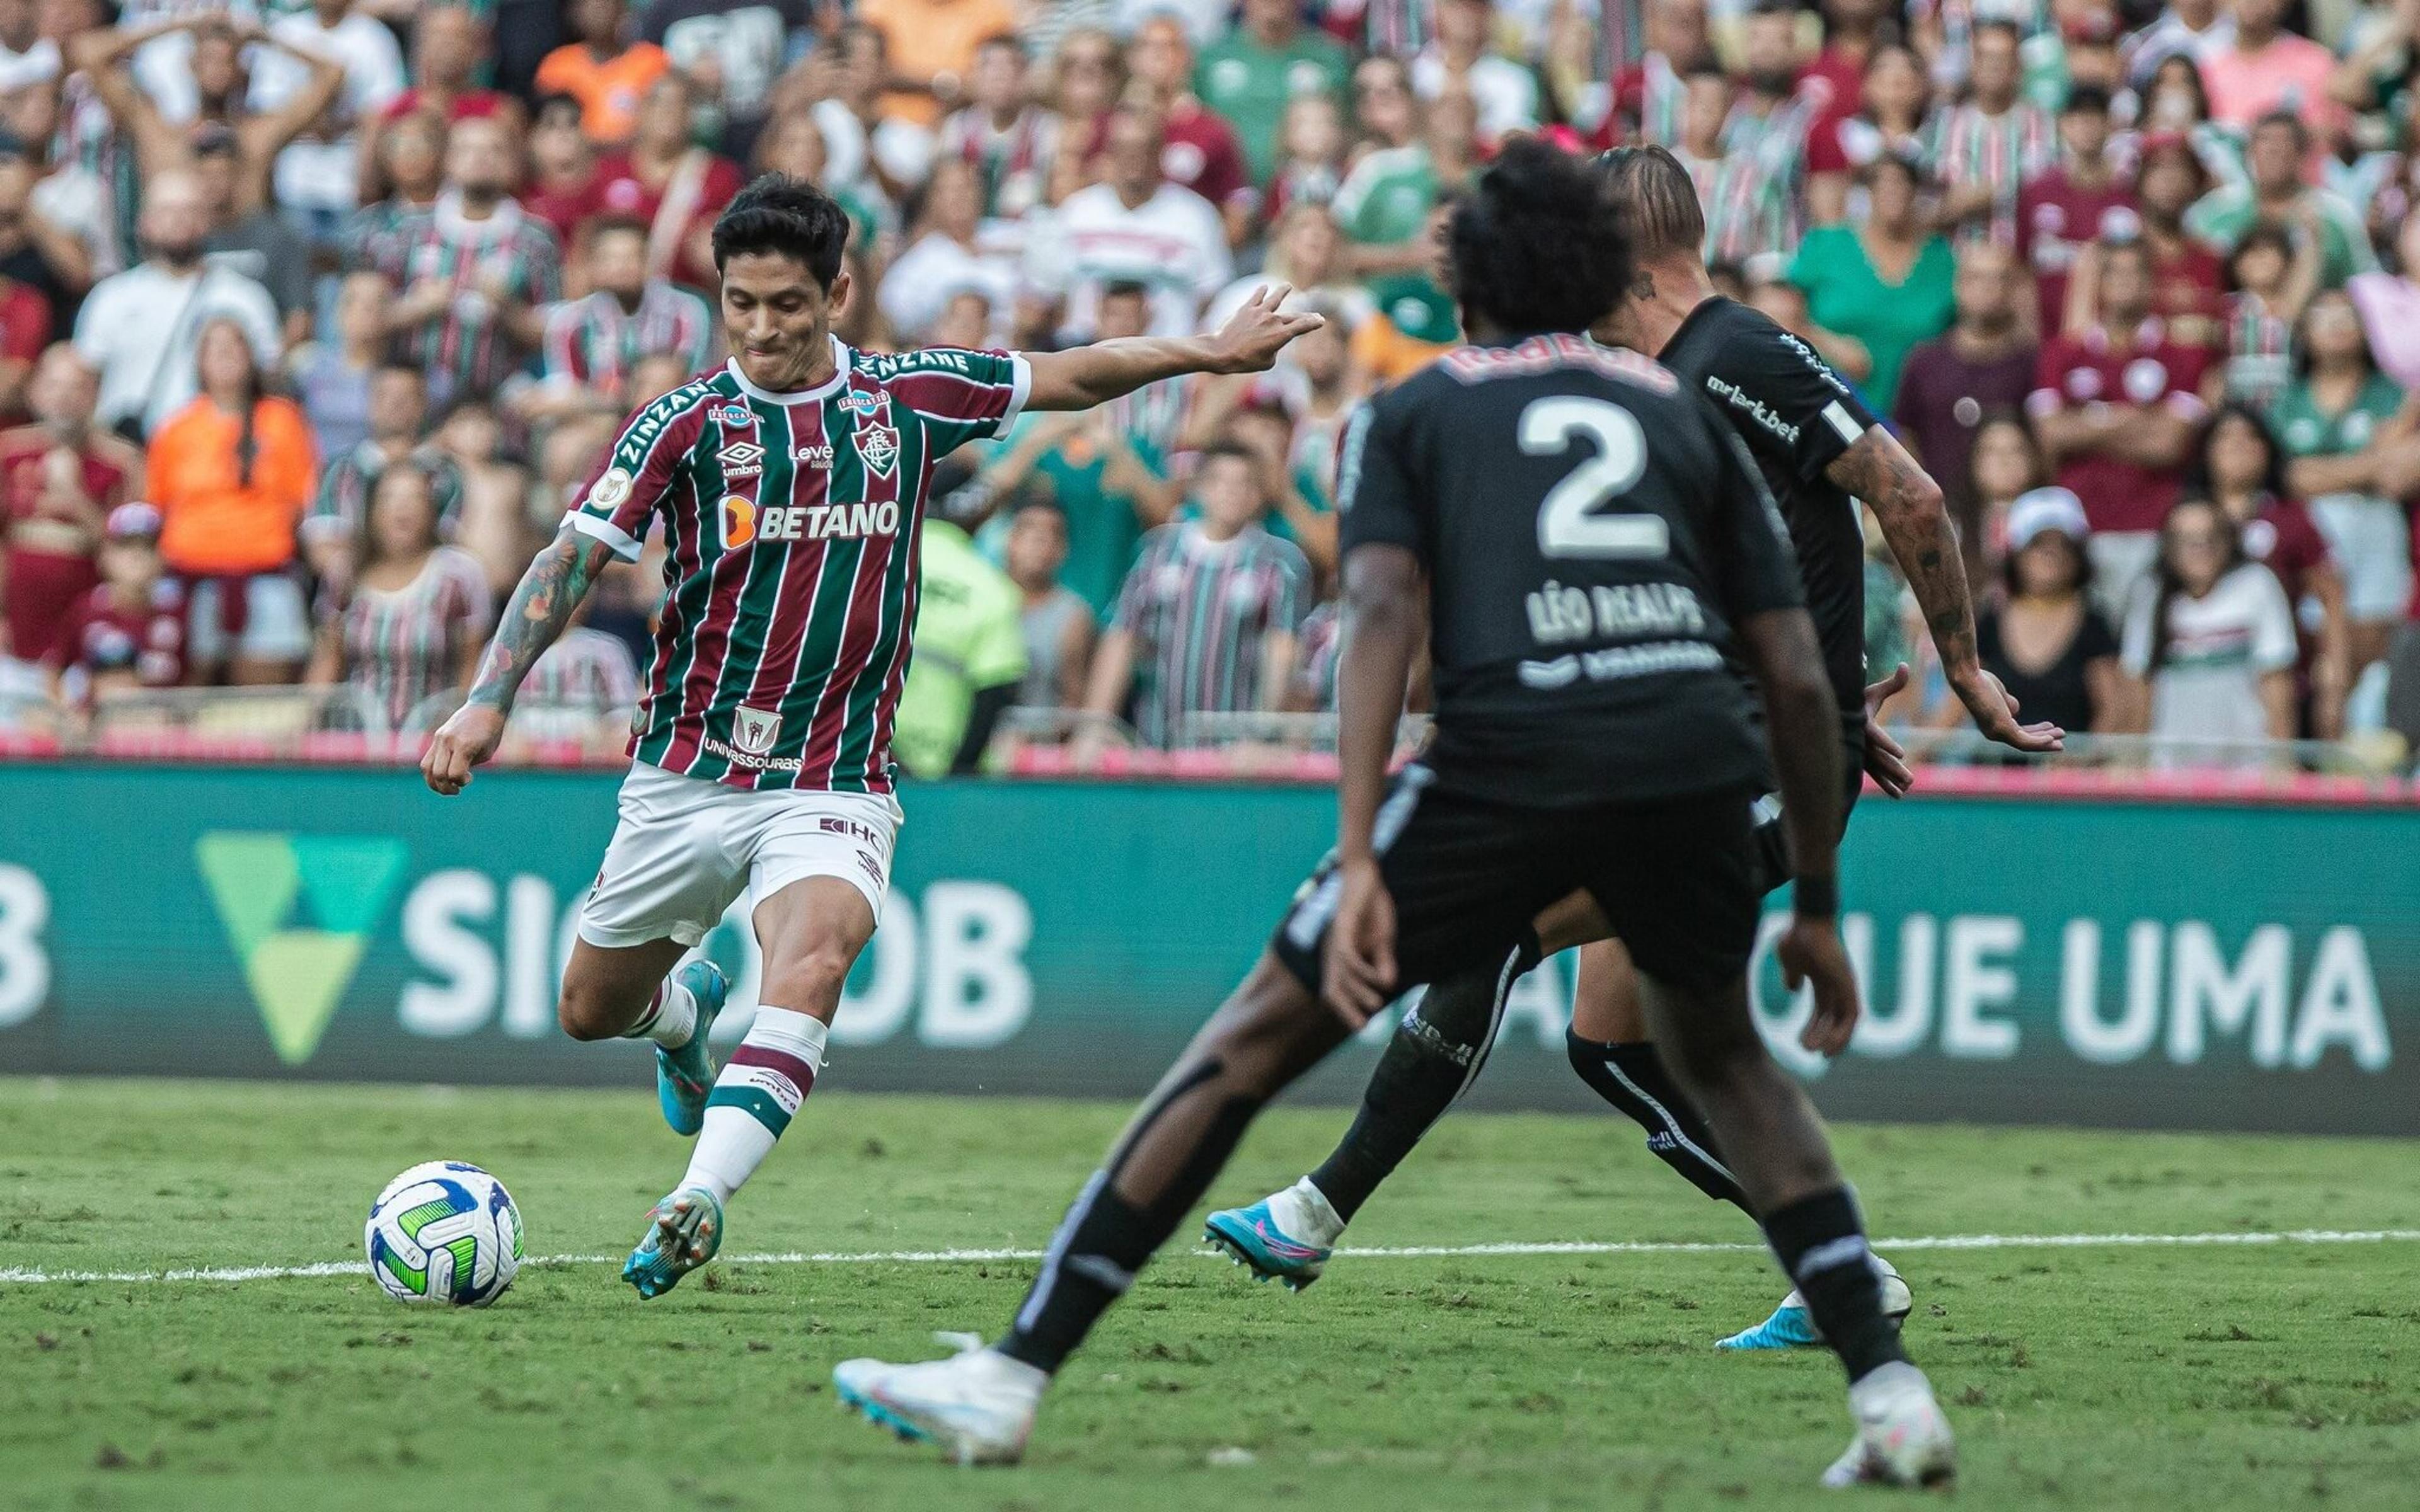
(684, 1078)
(684, 1231)
(1288, 1236)
(1792, 1327)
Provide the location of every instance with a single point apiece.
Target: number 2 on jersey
(1572, 522)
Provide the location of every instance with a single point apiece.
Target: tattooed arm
(1878, 469)
(540, 610)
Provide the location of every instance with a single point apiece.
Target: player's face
(777, 318)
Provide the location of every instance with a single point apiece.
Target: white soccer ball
(445, 1232)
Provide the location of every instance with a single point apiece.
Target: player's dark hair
(1539, 246)
(780, 216)
(1658, 199)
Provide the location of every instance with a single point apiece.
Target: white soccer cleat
(977, 1405)
(1902, 1439)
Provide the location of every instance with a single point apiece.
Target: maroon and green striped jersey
(791, 522)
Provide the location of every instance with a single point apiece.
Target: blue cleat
(684, 1231)
(1288, 1236)
(1792, 1327)
(684, 1078)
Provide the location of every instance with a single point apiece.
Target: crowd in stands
(313, 317)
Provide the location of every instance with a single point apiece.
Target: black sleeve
(1794, 411)
(1376, 500)
(1755, 568)
(982, 720)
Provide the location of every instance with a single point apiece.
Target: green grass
(2206, 1378)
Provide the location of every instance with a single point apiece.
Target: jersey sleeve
(961, 395)
(1375, 501)
(1787, 402)
(1755, 568)
(632, 479)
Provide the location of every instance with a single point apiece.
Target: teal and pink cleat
(684, 1077)
(684, 1231)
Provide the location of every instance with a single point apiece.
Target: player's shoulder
(679, 417)
(1723, 336)
(886, 368)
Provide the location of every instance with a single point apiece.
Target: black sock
(1632, 1077)
(1105, 1240)
(1431, 1057)
(1821, 1243)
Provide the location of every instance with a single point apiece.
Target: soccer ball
(445, 1232)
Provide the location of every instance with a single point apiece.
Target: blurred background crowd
(312, 315)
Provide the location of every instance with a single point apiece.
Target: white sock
(671, 1020)
(1312, 1219)
(759, 1092)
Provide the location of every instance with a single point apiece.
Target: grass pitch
(2211, 1377)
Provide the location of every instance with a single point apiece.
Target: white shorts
(685, 848)
(2372, 549)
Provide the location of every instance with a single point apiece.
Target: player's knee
(1268, 1033)
(587, 1013)
(809, 976)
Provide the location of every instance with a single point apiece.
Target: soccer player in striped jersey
(791, 484)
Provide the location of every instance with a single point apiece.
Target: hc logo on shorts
(755, 731)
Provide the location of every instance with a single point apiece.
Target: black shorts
(1680, 879)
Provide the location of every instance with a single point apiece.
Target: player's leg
(982, 1404)
(1688, 904)
(661, 887)
(1457, 875)
(1609, 1046)
(1434, 1054)
(819, 863)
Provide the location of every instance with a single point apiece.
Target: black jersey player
(1821, 451)
(1597, 548)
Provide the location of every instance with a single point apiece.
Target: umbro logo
(741, 459)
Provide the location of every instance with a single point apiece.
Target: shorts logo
(741, 459)
(735, 416)
(755, 731)
(611, 490)
(739, 522)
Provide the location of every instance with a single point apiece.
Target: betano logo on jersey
(744, 522)
(298, 972)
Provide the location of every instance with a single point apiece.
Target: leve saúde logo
(299, 910)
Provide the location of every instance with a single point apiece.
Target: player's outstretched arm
(1384, 621)
(540, 609)
(1082, 376)
(1908, 502)
(1804, 728)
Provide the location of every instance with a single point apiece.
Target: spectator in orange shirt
(231, 473)
(932, 45)
(606, 71)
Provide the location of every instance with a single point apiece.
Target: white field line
(34, 1276)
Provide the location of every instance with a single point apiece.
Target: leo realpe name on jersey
(1560, 614)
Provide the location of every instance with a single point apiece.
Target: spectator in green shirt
(2275, 190)
(970, 656)
(1885, 285)
(1255, 70)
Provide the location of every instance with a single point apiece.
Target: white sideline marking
(33, 1276)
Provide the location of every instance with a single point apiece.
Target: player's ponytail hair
(1537, 246)
(787, 218)
(1657, 198)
